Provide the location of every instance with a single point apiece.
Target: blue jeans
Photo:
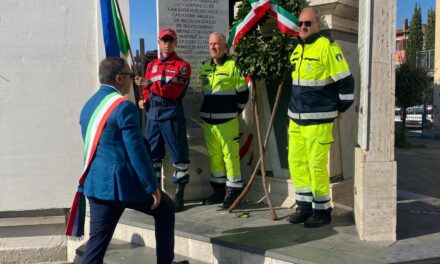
(104, 216)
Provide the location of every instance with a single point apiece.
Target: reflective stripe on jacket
(225, 92)
(322, 84)
(168, 79)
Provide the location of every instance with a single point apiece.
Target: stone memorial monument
(194, 21)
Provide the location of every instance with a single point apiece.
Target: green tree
(430, 30)
(265, 57)
(411, 82)
(415, 39)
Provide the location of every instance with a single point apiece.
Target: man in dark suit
(121, 174)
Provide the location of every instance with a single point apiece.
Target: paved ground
(419, 238)
(418, 169)
(418, 182)
(54, 262)
(121, 252)
(418, 223)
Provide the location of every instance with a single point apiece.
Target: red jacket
(167, 78)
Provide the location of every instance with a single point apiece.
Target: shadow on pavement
(416, 219)
(421, 261)
(260, 239)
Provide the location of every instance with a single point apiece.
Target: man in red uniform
(165, 83)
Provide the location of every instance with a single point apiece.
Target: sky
(405, 9)
(143, 19)
(143, 24)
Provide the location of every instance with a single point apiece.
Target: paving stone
(121, 252)
(258, 239)
(337, 242)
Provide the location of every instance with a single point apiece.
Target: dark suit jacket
(121, 169)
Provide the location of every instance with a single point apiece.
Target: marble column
(375, 179)
(436, 108)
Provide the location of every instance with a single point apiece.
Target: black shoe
(178, 197)
(299, 216)
(217, 196)
(230, 197)
(214, 199)
(178, 203)
(317, 221)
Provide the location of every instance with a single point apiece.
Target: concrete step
(209, 234)
(54, 262)
(122, 252)
(20, 255)
(32, 236)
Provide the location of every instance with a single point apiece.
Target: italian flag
(287, 23)
(115, 39)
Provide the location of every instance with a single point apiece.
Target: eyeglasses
(306, 23)
(127, 73)
(167, 39)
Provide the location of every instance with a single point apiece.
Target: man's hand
(140, 81)
(141, 104)
(156, 198)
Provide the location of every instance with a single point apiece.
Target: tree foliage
(415, 39)
(410, 86)
(411, 83)
(430, 30)
(265, 57)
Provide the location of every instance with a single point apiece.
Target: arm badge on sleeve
(339, 57)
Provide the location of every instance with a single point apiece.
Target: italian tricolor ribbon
(75, 224)
(287, 23)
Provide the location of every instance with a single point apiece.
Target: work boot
(318, 219)
(178, 197)
(231, 195)
(301, 215)
(218, 195)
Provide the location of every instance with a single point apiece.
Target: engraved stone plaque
(194, 21)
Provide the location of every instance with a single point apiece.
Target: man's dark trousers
(104, 216)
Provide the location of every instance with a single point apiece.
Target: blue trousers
(104, 216)
(171, 132)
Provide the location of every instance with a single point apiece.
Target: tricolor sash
(75, 224)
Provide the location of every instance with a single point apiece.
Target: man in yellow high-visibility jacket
(225, 95)
(322, 88)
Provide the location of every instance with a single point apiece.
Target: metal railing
(425, 60)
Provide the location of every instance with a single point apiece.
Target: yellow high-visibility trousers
(308, 159)
(223, 146)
